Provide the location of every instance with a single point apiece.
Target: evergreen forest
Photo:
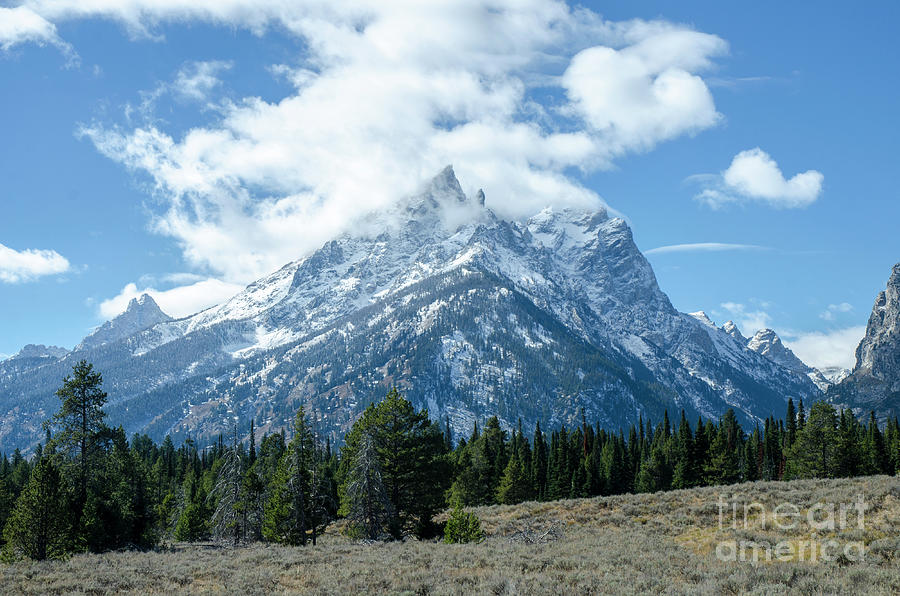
(89, 488)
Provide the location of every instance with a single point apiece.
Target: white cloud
(829, 314)
(388, 94)
(196, 80)
(828, 349)
(177, 302)
(703, 247)
(20, 24)
(30, 264)
(754, 176)
(647, 92)
(748, 320)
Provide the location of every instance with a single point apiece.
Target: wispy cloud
(196, 80)
(830, 313)
(749, 319)
(704, 247)
(18, 266)
(732, 82)
(754, 176)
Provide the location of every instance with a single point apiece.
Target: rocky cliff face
(470, 315)
(874, 383)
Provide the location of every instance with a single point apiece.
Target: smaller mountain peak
(142, 300)
(142, 313)
(732, 329)
(479, 196)
(144, 304)
(701, 316)
(40, 351)
(767, 335)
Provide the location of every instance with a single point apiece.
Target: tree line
(88, 488)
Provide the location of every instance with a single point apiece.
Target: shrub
(463, 527)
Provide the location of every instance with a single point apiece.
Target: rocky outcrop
(874, 383)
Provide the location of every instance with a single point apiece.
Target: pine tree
(814, 454)
(229, 513)
(653, 474)
(724, 462)
(193, 517)
(6, 498)
(514, 485)
(876, 460)
(848, 447)
(37, 528)
(752, 449)
(448, 435)
(791, 421)
(414, 466)
(253, 489)
(539, 463)
(684, 474)
(251, 454)
(370, 510)
(80, 420)
(287, 517)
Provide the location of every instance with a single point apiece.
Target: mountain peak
(732, 329)
(40, 351)
(766, 335)
(142, 313)
(445, 185)
(894, 280)
(767, 343)
(144, 301)
(874, 383)
(878, 350)
(701, 316)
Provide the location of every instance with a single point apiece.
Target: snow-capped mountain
(835, 374)
(731, 329)
(874, 383)
(468, 314)
(767, 343)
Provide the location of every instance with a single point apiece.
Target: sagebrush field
(655, 543)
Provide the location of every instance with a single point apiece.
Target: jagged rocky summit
(468, 314)
(874, 383)
(141, 313)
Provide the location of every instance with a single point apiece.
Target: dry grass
(662, 543)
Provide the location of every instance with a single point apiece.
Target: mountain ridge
(471, 315)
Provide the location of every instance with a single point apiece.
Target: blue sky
(187, 149)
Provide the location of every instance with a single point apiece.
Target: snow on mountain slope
(767, 343)
(470, 314)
